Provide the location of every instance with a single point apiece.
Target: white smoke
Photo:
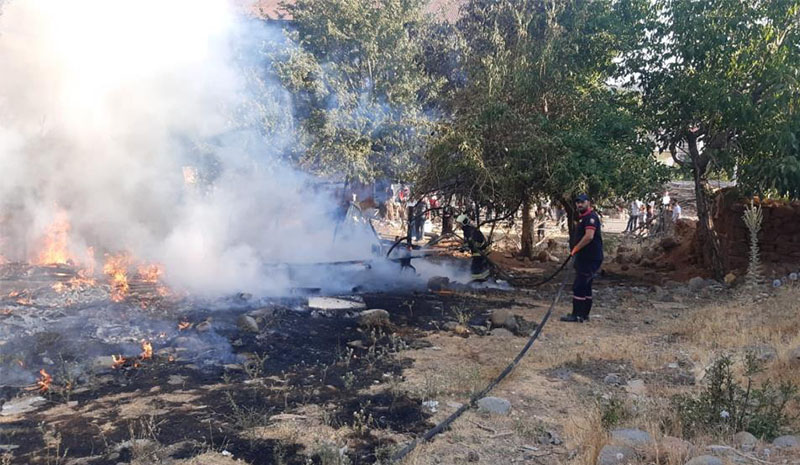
(108, 107)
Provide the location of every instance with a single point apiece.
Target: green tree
(360, 85)
(719, 79)
(537, 116)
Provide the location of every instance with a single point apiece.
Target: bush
(727, 405)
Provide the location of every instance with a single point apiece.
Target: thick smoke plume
(151, 125)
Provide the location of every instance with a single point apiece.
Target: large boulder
(247, 324)
(617, 455)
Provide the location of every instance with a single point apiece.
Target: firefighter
(476, 243)
(588, 256)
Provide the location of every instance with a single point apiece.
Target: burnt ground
(317, 386)
(296, 358)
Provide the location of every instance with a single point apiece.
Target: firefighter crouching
(476, 243)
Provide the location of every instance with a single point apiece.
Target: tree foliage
(360, 85)
(537, 115)
(719, 79)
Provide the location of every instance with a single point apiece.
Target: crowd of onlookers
(645, 216)
(649, 217)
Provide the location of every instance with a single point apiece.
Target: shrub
(727, 405)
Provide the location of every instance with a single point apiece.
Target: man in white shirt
(676, 211)
(633, 220)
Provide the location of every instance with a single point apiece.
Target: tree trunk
(569, 212)
(527, 228)
(709, 242)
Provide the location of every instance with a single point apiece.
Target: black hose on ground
(453, 417)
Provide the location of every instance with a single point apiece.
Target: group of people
(643, 216)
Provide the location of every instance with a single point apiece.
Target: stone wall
(779, 239)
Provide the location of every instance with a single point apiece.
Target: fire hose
(475, 398)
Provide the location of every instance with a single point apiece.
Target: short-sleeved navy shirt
(593, 251)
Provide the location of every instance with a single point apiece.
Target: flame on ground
(43, 383)
(147, 351)
(117, 361)
(116, 268)
(55, 242)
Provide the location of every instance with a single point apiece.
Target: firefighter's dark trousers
(582, 287)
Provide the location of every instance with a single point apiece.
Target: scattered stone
(455, 405)
(787, 442)
(704, 460)
(777, 283)
(494, 405)
(8, 447)
(663, 295)
(431, 405)
(550, 438)
(175, 380)
(697, 284)
(794, 357)
(502, 332)
(617, 455)
(613, 378)
(247, 324)
(203, 326)
(336, 303)
(635, 438)
(449, 326)
(745, 441)
(438, 283)
(636, 387)
(357, 344)
(374, 318)
(22, 405)
(504, 318)
(763, 352)
(730, 278)
(473, 456)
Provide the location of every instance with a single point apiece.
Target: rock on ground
(616, 455)
(787, 442)
(247, 324)
(636, 387)
(502, 332)
(794, 357)
(612, 378)
(704, 460)
(763, 352)
(697, 284)
(636, 438)
(374, 318)
(745, 441)
(494, 405)
(504, 318)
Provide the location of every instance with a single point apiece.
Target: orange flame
(150, 273)
(117, 361)
(116, 267)
(44, 381)
(147, 351)
(54, 248)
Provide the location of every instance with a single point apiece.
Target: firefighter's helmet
(462, 219)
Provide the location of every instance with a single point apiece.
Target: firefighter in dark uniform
(476, 243)
(588, 256)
